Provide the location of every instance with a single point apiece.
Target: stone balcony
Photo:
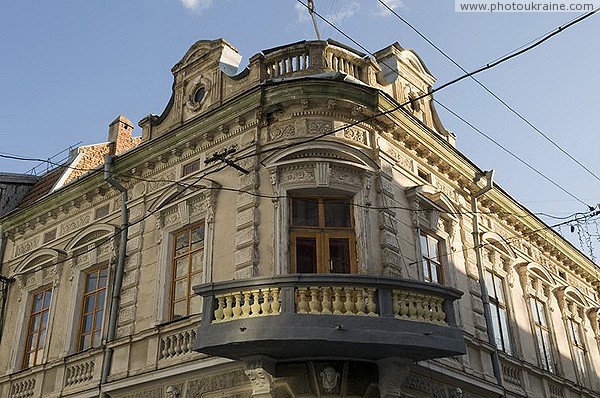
(359, 317)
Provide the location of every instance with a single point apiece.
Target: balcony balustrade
(297, 316)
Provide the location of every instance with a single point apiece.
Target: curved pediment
(328, 151)
(38, 258)
(538, 271)
(497, 241)
(91, 234)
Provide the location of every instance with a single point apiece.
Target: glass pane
(305, 212)
(100, 301)
(98, 322)
(337, 213)
(196, 280)
(47, 297)
(547, 352)
(436, 276)
(181, 267)
(96, 338)
(499, 289)
(32, 343)
(504, 329)
(87, 323)
(197, 260)
(426, 273)
(92, 280)
(181, 289)
(182, 243)
(38, 356)
(433, 247)
(37, 302)
(489, 284)
(103, 277)
(542, 313)
(89, 304)
(306, 255)
(86, 341)
(179, 309)
(339, 255)
(35, 323)
(197, 237)
(424, 250)
(44, 320)
(42, 338)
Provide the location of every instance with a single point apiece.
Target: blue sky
(70, 67)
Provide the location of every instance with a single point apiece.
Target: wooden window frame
(322, 234)
(95, 312)
(431, 263)
(576, 336)
(190, 271)
(502, 329)
(40, 343)
(545, 352)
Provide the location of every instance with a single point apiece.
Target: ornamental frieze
(282, 133)
(26, 246)
(73, 225)
(199, 387)
(318, 127)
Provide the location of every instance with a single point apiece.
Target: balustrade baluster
(360, 302)
(371, 306)
(275, 304)
(266, 304)
(302, 304)
(337, 301)
(228, 310)
(237, 309)
(326, 302)
(255, 306)
(219, 311)
(314, 300)
(246, 307)
(349, 302)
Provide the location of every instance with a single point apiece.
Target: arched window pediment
(39, 259)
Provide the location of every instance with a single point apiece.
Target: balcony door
(322, 235)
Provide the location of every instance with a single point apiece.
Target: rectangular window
(92, 308)
(495, 288)
(576, 337)
(191, 168)
(186, 268)
(322, 235)
(542, 334)
(36, 331)
(432, 266)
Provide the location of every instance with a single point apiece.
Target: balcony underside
(313, 316)
(303, 336)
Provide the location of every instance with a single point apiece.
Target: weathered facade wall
(301, 136)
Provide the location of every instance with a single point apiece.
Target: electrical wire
(489, 91)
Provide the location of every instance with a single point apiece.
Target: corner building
(289, 231)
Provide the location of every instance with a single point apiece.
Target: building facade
(303, 228)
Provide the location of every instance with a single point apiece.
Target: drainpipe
(489, 176)
(119, 272)
(4, 281)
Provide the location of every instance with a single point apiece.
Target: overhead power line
(489, 91)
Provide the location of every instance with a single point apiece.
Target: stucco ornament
(329, 378)
(172, 392)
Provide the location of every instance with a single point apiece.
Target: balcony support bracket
(260, 372)
(392, 373)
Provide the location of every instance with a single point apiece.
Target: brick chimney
(119, 135)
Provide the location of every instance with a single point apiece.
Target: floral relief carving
(318, 127)
(161, 181)
(282, 132)
(75, 224)
(26, 246)
(345, 176)
(355, 135)
(301, 175)
(199, 387)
